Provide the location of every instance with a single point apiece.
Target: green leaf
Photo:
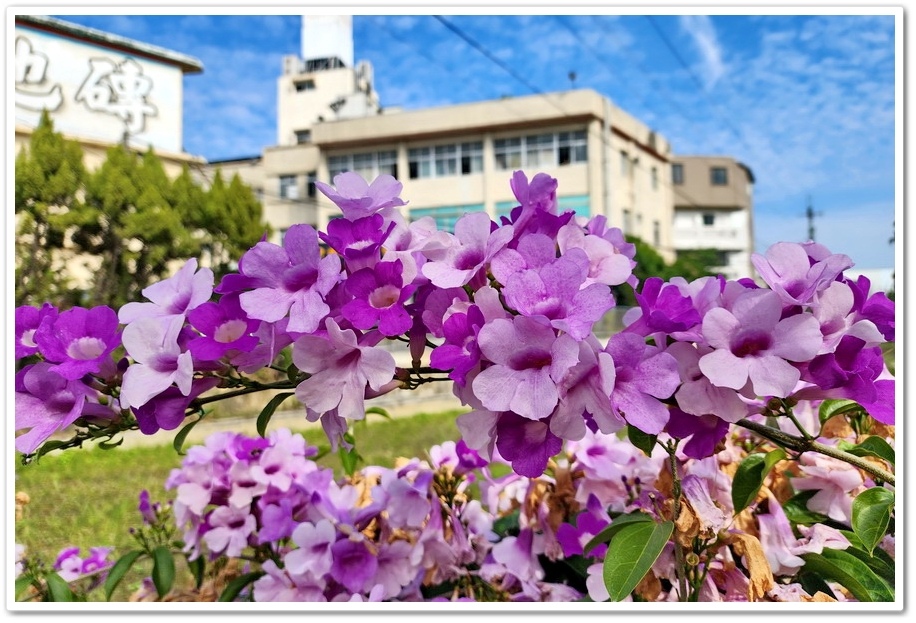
(58, 589)
(116, 574)
(49, 446)
(348, 458)
(643, 441)
(631, 554)
(268, 412)
(832, 407)
(871, 446)
(163, 570)
(235, 587)
(22, 584)
(507, 524)
(850, 572)
(871, 514)
(379, 411)
(616, 525)
(878, 561)
(197, 568)
(750, 476)
(796, 509)
(183, 434)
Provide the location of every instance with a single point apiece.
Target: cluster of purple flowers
(416, 533)
(508, 311)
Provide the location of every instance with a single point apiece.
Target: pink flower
(752, 343)
(340, 370)
(158, 360)
(178, 294)
(357, 199)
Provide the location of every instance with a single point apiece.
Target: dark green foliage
(127, 222)
(48, 177)
(690, 265)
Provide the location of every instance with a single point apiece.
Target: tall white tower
(324, 84)
(327, 37)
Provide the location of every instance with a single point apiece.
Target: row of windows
(369, 165)
(540, 150)
(445, 160)
(718, 176)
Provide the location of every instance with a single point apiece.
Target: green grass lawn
(88, 497)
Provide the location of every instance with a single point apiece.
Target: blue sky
(807, 102)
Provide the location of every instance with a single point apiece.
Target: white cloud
(703, 32)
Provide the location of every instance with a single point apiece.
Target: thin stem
(800, 445)
(808, 436)
(680, 563)
(246, 390)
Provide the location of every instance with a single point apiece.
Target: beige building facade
(713, 209)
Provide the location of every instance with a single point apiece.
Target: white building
(100, 89)
(713, 209)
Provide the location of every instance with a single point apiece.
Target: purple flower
(379, 297)
(28, 320)
(158, 360)
(290, 279)
(528, 362)
(229, 530)
(146, 509)
(697, 395)
(877, 307)
(853, 372)
(178, 294)
(79, 340)
(664, 308)
(794, 275)
(608, 263)
(474, 245)
(752, 343)
(526, 444)
(833, 312)
(357, 199)
(587, 524)
(459, 353)
(537, 209)
(704, 432)
(340, 369)
(555, 291)
(587, 389)
(45, 403)
(272, 338)
(314, 553)
(644, 376)
(354, 565)
(167, 410)
(223, 326)
(359, 242)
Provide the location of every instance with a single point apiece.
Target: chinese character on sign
(118, 89)
(30, 76)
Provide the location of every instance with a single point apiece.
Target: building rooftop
(187, 64)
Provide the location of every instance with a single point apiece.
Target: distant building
(713, 209)
(452, 159)
(100, 89)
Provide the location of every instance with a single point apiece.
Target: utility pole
(810, 213)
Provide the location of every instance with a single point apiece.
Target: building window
(508, 152)
(709, 219)
(624, 163)
(304, 85)
(310, 189)
(656, 234)
(303, 136)
(677, 173)
(471, 157)
(445, 216)
(572, 147)
(654, 178)
(718, 176)
(288, 188)
(445, 160)
(369, 165)
(541, 150)
(627, 222)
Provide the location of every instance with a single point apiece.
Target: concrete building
(452, 159)
(100, 89)
(713, 209)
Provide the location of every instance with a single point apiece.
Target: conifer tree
(48, 175)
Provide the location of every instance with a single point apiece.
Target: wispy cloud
(703, 33)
